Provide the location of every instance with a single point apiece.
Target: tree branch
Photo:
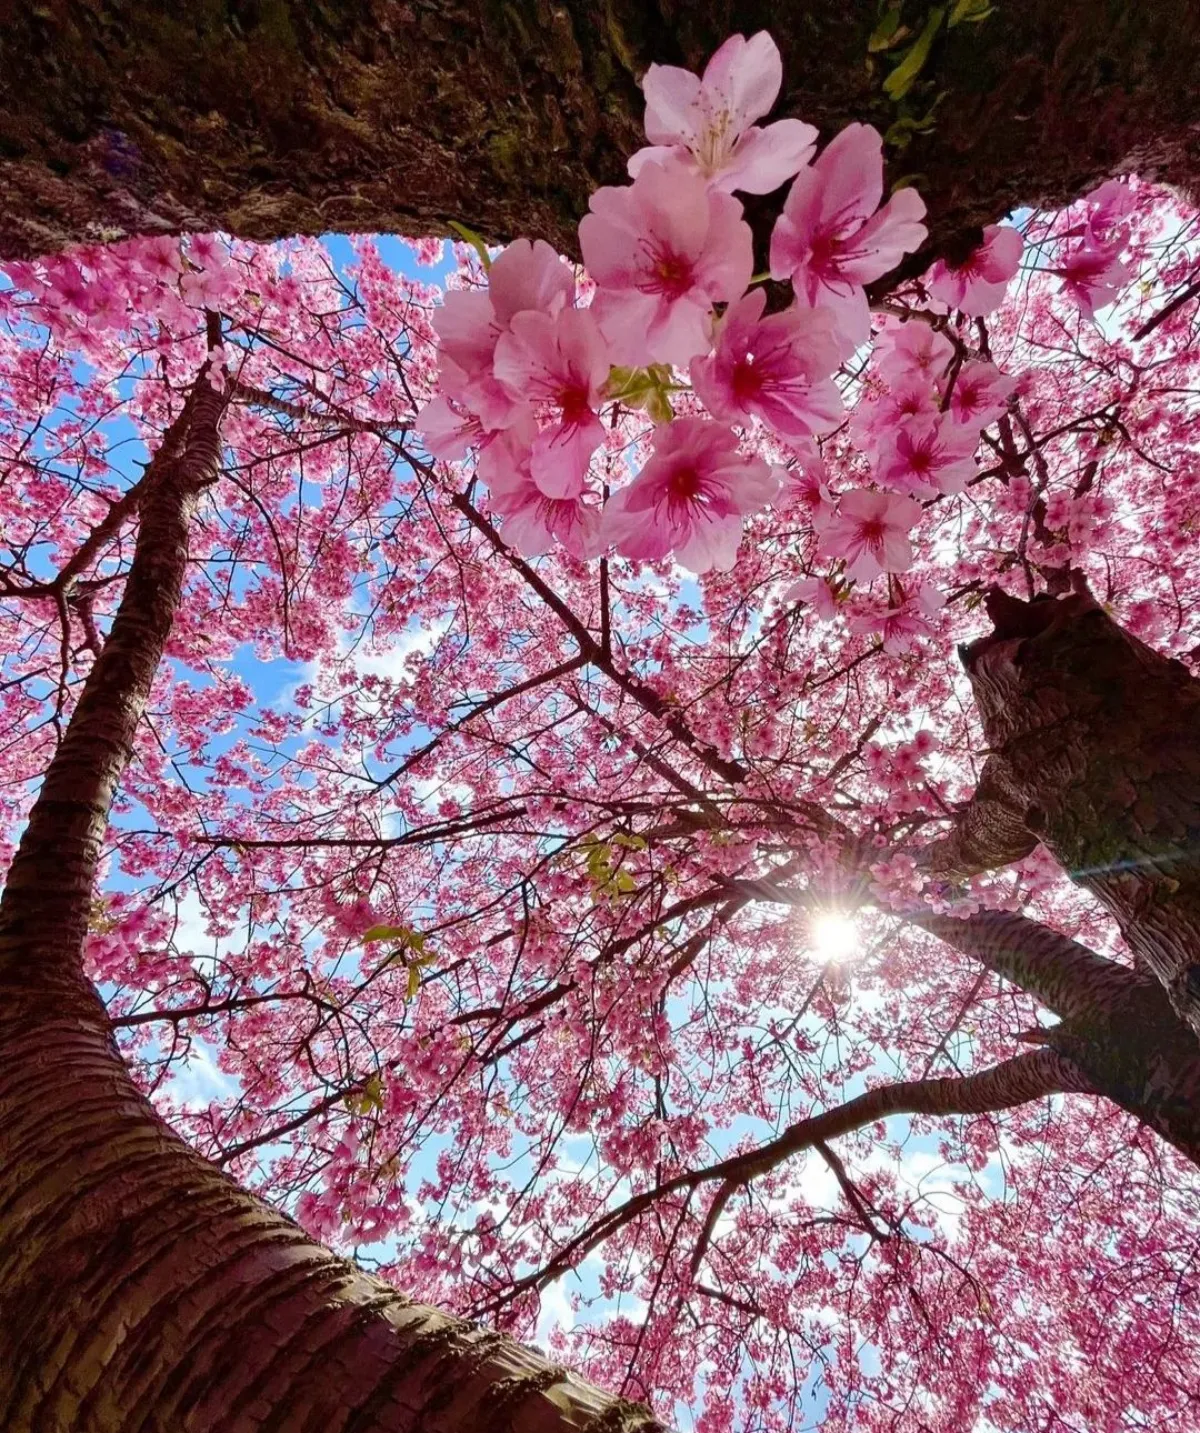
(47, 899)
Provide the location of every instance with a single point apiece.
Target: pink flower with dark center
(68, 290)
(806, 485)
(1092, 274)
(533, 522)
(690, 497)
(871, 531)
(978, 286)
(832, 237)
(160, 259)
(708, 124)
(900, 625)
(910, 350)
(560, 365)
(927, 455)
(877, 416)
(662, 251)
(526, 277)
(208, 251)
(980, 394)
(775, 368)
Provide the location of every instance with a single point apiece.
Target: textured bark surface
(271, 117)
(1117, 1028)
(141, 1291)
(1095, 751)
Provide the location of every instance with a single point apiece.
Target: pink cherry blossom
(832, 237)
(68, 291)
(927, 455)
(690, 497)
(977, 287)
(817, 594)
(533, 522)
(901, 625)
(525, 278)
(662, 251)
(805, 484)
(912, 350)
(870, 532)
(980, 394)
(1109, 203)
(449, 430)
(560, 365)
(708, 124)
(775, 368)
(880, 412)
(211, 287)
(161, 259)
(1092, 273)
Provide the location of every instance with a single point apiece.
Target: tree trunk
(1116, 1026)
(141, 1291)
(1095, 752)
(272, 117)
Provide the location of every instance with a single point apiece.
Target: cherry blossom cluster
(526, 369)
(666, 316)
(98, 290)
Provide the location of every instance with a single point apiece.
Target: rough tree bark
(141, 1291)
(1116, 1027)
(1094, 743)
(272, 117)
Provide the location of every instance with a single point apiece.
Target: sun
(834, 936)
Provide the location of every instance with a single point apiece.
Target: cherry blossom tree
(556, 856)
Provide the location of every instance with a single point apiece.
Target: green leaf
(386, 932)
(368, 1099)
(630, 843)
(643, 388)
(907, 181)
(901, 131)
(884, 36)
(414, 980)
(476, 241)
(970, 12)
(906, 73)
(658, 407)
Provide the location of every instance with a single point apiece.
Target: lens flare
(834, 936)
